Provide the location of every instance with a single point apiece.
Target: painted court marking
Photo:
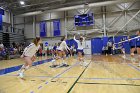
(78, 78)
(16, 68)
(134, 67)
(58, 75)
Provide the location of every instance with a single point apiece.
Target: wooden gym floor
(104, 74)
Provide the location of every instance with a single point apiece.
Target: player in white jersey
(62, 49)
(29, 55)
(80, 49)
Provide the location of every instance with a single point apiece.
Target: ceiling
(43, 5)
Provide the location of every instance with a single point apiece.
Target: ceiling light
(22, 2)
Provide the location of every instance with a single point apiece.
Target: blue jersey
(54, 48)
(138, 42)
(132, 42)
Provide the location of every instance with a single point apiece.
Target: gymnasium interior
(110, 48)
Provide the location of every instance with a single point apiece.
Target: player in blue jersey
(132, 45)
(138, 45)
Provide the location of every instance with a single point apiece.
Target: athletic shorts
(59, 50)
(132, 46)
(81, 51)
(138, 46)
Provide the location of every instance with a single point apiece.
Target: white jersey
(45, 48)
(80, 44)
(50, 47)
(63, 46)
(31, 50)
(109, 44)
(1, 46)
(57, 47)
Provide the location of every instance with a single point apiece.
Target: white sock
(139, 63)
(23, 67)
(81, 63)
(27, 67)
(63, 61)
(21, 75)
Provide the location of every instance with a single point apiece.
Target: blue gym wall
(98, 43)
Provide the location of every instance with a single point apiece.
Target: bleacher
(7, 38)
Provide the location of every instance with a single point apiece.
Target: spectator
(14, 44)
(1, 46)
(54, 49)
(113, 49)
(45, 48)
(48, 50)
(106, 50)
(109, 44)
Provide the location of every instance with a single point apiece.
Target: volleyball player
(29, 55)
(80, 48)
(138, 46)
(54, 56)
(54, 49)
(109, 44)
(61, 51)
(132, 44)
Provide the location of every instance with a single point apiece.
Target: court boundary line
(131, 65)
(108, 84)
(81, 78)
(110, 78)
(78, 78)
(134, 67)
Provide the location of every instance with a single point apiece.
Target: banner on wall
(0, 21)
(56, 27)
(42, 29)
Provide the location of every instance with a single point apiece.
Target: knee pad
(27, 67)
